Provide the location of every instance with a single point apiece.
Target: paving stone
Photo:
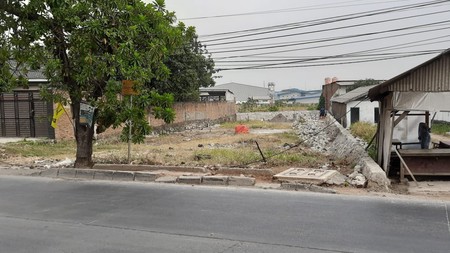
(85, 174)
(103, 174)
(190, 179)
(315, 188)
(166, 179)
(241, 181)
(146, 176)
(66, 173)
(304, 175)
(123, 176)
(49, 173)
(215, 180)
(274, 186)
(295, 186)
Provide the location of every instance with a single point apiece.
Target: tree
(86, 47)
(190, 69)
(363, 82)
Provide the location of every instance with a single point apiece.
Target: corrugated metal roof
(352, 95)
(430, 76)
(242, 91)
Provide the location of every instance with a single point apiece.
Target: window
(376, 115)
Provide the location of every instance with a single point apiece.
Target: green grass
(363, 130)
(440, 127)
(40, 148)
(228, 156)
(275, 157)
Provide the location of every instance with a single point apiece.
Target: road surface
(48, 215)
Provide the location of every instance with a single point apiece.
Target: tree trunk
(84, 135)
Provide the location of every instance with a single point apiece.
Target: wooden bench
(427, 162)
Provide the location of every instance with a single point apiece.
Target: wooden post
(402, 172)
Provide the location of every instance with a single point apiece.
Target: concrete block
(241, 181)
(146, 176)
(215, 180)
(103, 174)
(85, 174)
(53, 172)
(166, 179)
(66, 173)
(189, 179)
(123, 176)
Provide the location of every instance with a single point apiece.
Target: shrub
(363, 130)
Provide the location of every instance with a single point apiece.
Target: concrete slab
(85, 174)
(53, 172)
(426, 187)
(190, 179)
(241, 181)
(304, 175)
(166, 179)
(123, 176)
(66, 173)
(139, 167)
(146, 176)
(103, 174)
(215, 180)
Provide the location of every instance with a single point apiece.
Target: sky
(347, 39)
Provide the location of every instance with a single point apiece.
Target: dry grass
(209, 147)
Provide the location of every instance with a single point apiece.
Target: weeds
(440, 127)
(363, 130)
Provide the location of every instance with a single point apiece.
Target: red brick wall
(185, 112)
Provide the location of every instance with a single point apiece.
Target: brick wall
(185, 113)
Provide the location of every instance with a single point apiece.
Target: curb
(145, 176)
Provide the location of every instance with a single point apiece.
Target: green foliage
(85, 49)
(321, 102)
(361, 83)
(190, 66)
(39, 148)
(273, 108)
(440, 127)
(363, 130)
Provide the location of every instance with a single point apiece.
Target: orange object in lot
(241, 129)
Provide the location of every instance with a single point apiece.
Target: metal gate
(25, 114)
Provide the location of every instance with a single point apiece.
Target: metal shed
(411, 97)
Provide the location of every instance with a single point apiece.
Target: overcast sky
(326, 33)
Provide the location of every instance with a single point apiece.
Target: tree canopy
(86, 48)
(191, 68)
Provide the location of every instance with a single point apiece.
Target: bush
(440, 127)
(363, 130)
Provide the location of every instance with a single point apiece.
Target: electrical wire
(262, 46)
(306, 8)
(321, 21)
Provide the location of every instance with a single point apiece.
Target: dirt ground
(211, 148)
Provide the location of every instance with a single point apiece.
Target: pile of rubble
(319, 134)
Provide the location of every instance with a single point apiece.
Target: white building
(354, 106)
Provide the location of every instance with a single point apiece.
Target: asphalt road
(47, 215)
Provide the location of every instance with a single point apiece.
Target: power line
(322, 21)
(335, 44)
(368, 56)
(295, 9)
(326, 30)
(281, 65)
